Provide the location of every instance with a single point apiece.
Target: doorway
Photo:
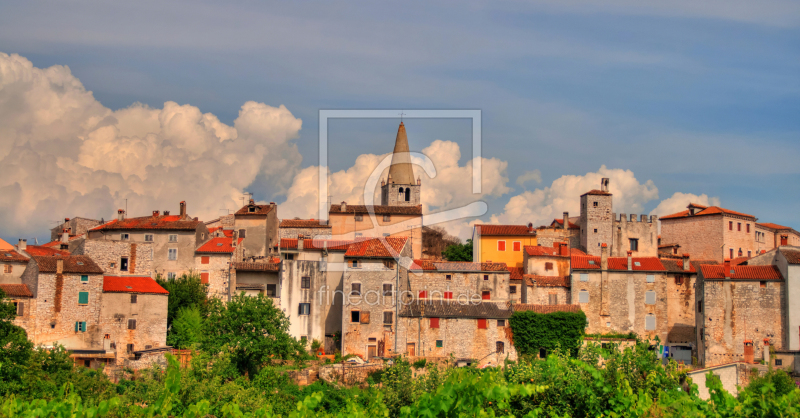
(411, 349)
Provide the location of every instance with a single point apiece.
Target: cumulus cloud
(62, 153)
(679, 201)
(532, 175)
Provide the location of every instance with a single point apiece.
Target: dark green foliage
(557, 330)
(627, 336)
(458, 252)
(252, 330)
(420, 363)
(15, 349)
(775, 382)
(184, 291)
(187, 328)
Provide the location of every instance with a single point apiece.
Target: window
(739, 227)
(501, 322)
(731, 252)
(173, 254)
(124, 237)
(448, 295)
(548, 266)
(359, 218)
(740, 252)
(171, 275)
(389, 264)
(762, 284)
(131, 324)
(748, 228)
(481, 323)
(148, 237)
(439, 343)
(130, 348)
(288, 256)
(80, 326)
(8, 268)
(134, 298)
(387, 218)
(204, 259)
(500, 347)
(749, 253)
(634, 244)
(651, 278)
(512, 289)
(700, 306)
(355, 289)
(251, 209)
(678, 280)
(359, 234)
(486, 295)
(355, 316)
(778, 362)
(354, 264)
(242, 233)
(595, 230)
(730, 226)
(485, 277)
(272, 290)
(387, 289)
(173, 238)
(594, 204)
(650, 322)
(501, 245)
(584, 277)
(365, 317)
(517, 246)
(83, 298)
(423, 294)
(305, 282)
(304, 309)
(542, 353)
(552, 299)
(84, 278)
(434, 322)
(650, 297)
(204, 277)
(583, 296)
(20, 308)
(123, 264)
(448, 277)
(388, 318)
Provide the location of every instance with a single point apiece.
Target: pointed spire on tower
(401, 171)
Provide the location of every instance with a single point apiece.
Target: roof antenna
(401, 116)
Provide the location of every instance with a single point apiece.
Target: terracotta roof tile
(132, 284)
(226, 232)
(389, 247)
(588, 262)
(547, 281)
(318, 244)
(596, 192)
(12, 255)
(792, 255)
(303, 223)
(711, 210)
(711, 272)
(39, 250)
(535, 250)
(16, 290)
(242, 266)
(739, 260)
(72, 264)
(454, 309)
(457, 266)
(488, 230)
(148, 223)
(517, 273)
(545, 309)
(378, 210)
(772, 225)
(252, 209)
(219, 245)
(560, 222)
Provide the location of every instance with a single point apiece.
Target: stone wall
(322, 233)
(312, 325)
(108, 254)
(218, 270)
(77, 226)
(540, 295)
(464, 285)
(150, 313)
(57, 310)
(735, 239)
(548, 236)
(642, 228)
(700, 236)
(681, 307)
(596, 218)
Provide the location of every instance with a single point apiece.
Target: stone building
(255, 278)
(787, 260)
(400, 187)
(740, 312)
(681, 307)
(355, 222)
(213, 262)
(305, 228)
(24, 303)
(621, 294)
(600, 225)
(76, 226)
(556, 232)
(117, 257)
(547, 274)
(258, 225)
(770, 235)
(501, 243)
(173, 238)
(12, 264)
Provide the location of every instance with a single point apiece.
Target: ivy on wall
(534, 331)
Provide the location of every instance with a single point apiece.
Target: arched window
(408, 194)
(740, 252)
(400, 192)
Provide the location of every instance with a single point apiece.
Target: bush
(558, 330)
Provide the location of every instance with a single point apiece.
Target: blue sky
(699, 97)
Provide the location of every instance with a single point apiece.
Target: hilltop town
(712, 285)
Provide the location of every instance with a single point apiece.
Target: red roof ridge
(132, 284)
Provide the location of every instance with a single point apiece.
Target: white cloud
(62, 153)
(678, 202)
(532, 175)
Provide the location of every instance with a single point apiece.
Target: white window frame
(650, 297)
(651, 278)
(171, 236)
(146, 236)
(124, 237)
(651, 318)
(171, 275)
(169, 254)
(584, 277)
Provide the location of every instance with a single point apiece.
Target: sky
(157, 102)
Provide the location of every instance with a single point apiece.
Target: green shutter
(83, 298)
(83, 326)
(77, 324)
(84, 278)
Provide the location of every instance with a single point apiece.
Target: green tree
(187, 328)
(459, 252)
(557, 330)
(15, 349)
(184, 291)
(252, 329)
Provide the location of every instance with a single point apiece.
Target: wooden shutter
(482, 323)
(486, 295)
(434, 322)
(131, 324)
(423, 294)
(365, 317)
(204, 259)
(204, 278)
(448, 295)
(20, 308)
(83, 298)
(387, 317)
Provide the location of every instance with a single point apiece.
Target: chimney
(155, 213)
(344, 206)
(604, 185)
(748, 352)
(726, 268)
(59, 265)
(390, 179)
(183, 209)
(252, 202)
(563, 249)
(300, 242)
(22, 245)
(120, 215)
(566, 220)
(65, 236)
(630, 260)
(604, 256)
(686, 265)
(530, 226)
(66, 220)
(166, 213)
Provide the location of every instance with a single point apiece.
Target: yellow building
(501, 243)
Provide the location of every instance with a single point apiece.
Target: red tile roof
(317, 244)
(219, 245)
(772, 225)
(132, 284)
(242, 266)
(389, 247)
(547, 281)
(517, 273)
(57, 243)
(147, 223)
(257, 210)
(792, 255)
(711, 272)
(505, 230)
(588, 262)
(544, 309)
(303, 223)
(596, 192)
(534, 250)
(72, 264)
(576, 251)
(44, 251)
(739, 260)
(378, 210)
(711, 210)
(457, 266)
(560, 222)
(227, 232)
(675, 265)
(11, 255)
(16, 290)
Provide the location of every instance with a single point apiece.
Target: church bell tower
(400, 187)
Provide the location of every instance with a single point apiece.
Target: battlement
(623, 218)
